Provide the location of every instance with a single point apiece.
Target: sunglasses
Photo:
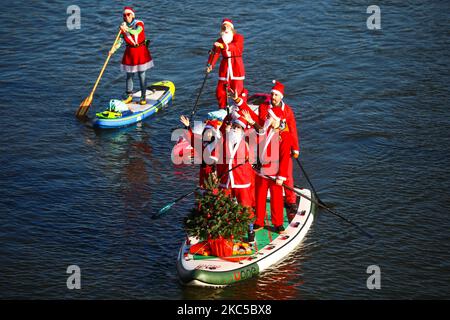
(127, 14)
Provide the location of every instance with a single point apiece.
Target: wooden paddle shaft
(104, 65)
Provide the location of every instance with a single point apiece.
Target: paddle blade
(84, 107)
(163, 210)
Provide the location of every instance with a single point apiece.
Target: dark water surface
(372, 110)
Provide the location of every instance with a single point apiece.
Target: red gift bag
(221, 247)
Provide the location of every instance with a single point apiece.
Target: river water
(374, 125)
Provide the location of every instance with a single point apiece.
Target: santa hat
(241, 121)
(214, 125)
(128, 10)
(277, 114)
(278, 88)
(243, 96)
(228, 21)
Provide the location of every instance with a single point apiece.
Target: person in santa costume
(235, 159)
(208, 140)
(277, 94)
(275, 151)
(231, 71)
(137, 57)
(240, 110)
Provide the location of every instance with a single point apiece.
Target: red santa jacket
(136, 53)
(290, 121)
(232, 65)
(275, 152)
(240, 177)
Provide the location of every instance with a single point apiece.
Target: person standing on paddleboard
(137, 57)
(231, 70)
(236, 154)
(274, 157)
(277, 95)
(208, 155)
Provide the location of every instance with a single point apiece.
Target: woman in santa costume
(231, 71)
(137, 57)
(275, 152)
(235, 160)
(277, 94)
(208, 140)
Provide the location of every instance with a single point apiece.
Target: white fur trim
(240, 186)
(229, 23)
(138, 68)
(276, 91)
(281, 178)
(243, 125)
(229, 69)
(267, 142)
(274, 115)
(128, 11)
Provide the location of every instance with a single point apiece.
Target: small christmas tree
(217, 215)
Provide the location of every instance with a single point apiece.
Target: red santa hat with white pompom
(278, 88)
(214, 125)
(241, 122)
(127, 10)
(229, 22)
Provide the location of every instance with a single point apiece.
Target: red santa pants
(276, 201)
(252, 190)
(289, 195)
(221, 91)
(243, 196)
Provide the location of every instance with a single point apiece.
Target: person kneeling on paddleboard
(137, 57)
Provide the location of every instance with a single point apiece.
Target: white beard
(234, 137)
(227, 36)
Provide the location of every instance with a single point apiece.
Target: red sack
(201, 248)
(221, 247)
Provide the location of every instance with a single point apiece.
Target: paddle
(309, 181)
(170, 205)
(323, 207)
(86, 103)
(194, 110)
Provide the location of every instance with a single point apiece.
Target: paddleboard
(268, 249)
(158, 96)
